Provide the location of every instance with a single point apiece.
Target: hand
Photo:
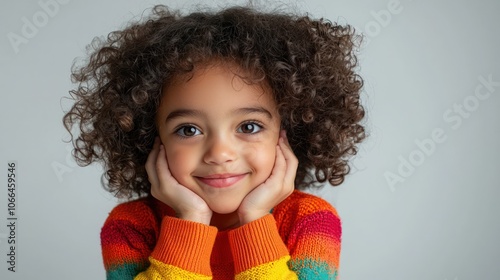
(164, 187)
(275, 189)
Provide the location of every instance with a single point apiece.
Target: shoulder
(304, 204)
(129, 234)
(131, 217)
(133, 211)
(306, 212)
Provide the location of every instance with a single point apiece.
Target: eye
(187, 131)
(250, 128)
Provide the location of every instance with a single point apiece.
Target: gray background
(421, 61)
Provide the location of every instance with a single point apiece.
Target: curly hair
(309, 65)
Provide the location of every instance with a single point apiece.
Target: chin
(224, 208)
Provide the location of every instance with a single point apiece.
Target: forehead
(220, 85)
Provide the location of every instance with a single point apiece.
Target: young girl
(210, 123)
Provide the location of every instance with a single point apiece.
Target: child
(210, 123)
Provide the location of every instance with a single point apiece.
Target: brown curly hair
(308, 64)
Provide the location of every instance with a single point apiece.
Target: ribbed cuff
(185, 244)
(256, 243)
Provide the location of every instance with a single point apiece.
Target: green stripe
(312, 269)
(124, 271)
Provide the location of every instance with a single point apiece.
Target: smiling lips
(221, 180)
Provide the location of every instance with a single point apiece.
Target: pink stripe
(323, 223)
(124, 232)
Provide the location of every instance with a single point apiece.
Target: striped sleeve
(302, 239)
(316, 247)
(131, 251)
(314, 241)
(127, 242)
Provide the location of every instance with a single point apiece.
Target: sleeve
(182, 251)
(131, 251)
(125, 247)
(259, 252)
(314, 244)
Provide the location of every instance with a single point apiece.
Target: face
(220, 135)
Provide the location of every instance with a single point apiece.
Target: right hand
(164, 187)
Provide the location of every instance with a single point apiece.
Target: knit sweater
(142, 239)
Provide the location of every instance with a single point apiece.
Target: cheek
(181, 162)
(262, 158)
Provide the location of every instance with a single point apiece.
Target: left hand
(275, 189)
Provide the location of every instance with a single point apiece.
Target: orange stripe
(114, 255)
(319, 246)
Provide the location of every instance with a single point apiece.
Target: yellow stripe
(159, 270)
(272, 270)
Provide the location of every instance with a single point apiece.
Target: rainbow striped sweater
(142, 239)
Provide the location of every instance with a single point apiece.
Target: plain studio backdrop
(422, 201)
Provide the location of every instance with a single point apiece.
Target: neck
(225, 221)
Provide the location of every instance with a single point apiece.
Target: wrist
(246, 218)
(202, 218)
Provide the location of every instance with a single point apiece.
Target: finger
(285, 138)
(287, 149)
(290, 158)
(284, 178)
(278, 172)
(291, 163)
(164, 175)
(151, 163)
(161, 166)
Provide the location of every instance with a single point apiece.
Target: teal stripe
(124, 271)
(312, 269)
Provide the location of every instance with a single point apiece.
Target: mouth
(221, 180)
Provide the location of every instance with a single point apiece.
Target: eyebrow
(197, 113)
(252, 110)
(183, 113)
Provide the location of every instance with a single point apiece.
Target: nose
(220, 149)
